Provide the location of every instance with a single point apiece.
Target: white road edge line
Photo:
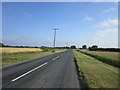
(28, 72)
(55, 57)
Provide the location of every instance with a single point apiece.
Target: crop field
(110, 58)
(14, 50)
(16, 55)
(110, 55)
(96, 73)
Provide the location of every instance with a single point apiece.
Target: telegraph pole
(54, 38)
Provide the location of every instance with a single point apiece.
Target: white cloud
(103, 33)
(107, 38)
(109, 10)
(108, 23)
(106, 43)
(88, 18)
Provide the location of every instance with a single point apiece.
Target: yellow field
(14, 50)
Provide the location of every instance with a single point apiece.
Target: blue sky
(78, 23)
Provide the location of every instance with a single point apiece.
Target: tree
(84, 47)
(94, 47)
(73, 47)
(2, 45)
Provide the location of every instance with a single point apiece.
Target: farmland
(15, 50)
(97, 74)
(110, 55)
(110, 58)
(16, 55)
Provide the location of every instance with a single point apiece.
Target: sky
(79, 23)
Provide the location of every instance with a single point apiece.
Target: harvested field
(15, 50)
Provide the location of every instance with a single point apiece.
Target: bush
(84, 47)
(46, 49)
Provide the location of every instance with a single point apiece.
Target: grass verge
(81, 78)
(96, 73)
(106, 59)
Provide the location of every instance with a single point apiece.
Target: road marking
(56, 58)
(28, 72)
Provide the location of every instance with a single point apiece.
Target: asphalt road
(53, 71)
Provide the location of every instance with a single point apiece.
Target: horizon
(79, 23)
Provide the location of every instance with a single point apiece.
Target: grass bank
(96, 73)
(110, 58)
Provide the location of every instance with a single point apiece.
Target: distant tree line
(3, 45)
(105, 49)
(73, 47)
(65, 47)
(45, 47)
(95, 48)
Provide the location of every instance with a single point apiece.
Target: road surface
(53, 71)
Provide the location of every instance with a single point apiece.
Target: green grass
(110, 55)
(110, 58)
(97, 74)
(47, 49)
(12, 58)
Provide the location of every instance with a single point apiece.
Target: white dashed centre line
(28, 72)
(56, 58)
